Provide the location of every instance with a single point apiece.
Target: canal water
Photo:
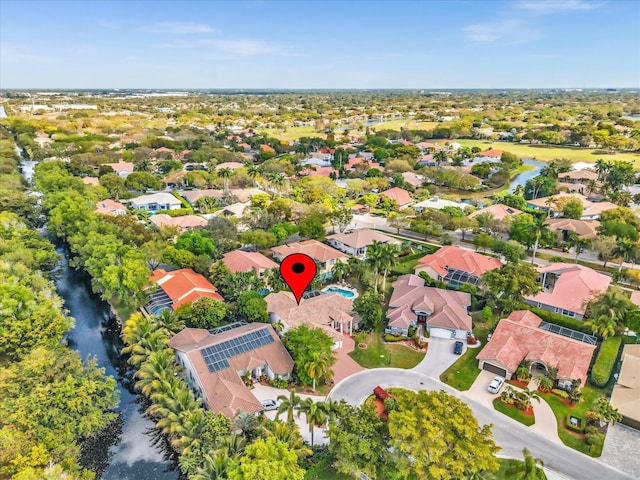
(524, 177)
(132, 448)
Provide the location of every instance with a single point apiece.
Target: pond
(524, 177)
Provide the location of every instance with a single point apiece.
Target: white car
(270, 404)
(496, 384)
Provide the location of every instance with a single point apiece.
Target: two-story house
(325, 256)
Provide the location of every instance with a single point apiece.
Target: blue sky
(320, 44)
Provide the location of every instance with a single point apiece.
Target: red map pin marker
(298, 271)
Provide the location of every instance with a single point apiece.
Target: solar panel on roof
(216, 356)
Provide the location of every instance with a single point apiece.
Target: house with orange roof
(456, 265)
(266, 148)
(330, 312)
(401, 196)
(499, 211)
(183, 223)
(215, 361)
(492, 153)
(443, 313)
(524, 336)
(568, 288)
(325, 256)
(122, 169)
(241, 261)
(111, 207)
(591, 210)
(178, 287)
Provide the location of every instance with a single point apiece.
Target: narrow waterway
(132, 448)
(524, 177)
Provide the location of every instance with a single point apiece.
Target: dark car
(457, 347)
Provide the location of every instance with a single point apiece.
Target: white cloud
(546, 7)
(179, 28)
(508, 31)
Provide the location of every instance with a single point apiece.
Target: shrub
(606, 359)
(179, 212)
(393, 338)
(560, 393)
(561, 320)
(577, 428)
(278, 382)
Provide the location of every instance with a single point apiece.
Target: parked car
(496, 384)
(270, 404)
(457, 347)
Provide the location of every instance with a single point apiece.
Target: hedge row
(179, 212)
(561, 320)
(603, 366)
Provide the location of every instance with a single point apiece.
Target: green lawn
(464, 371)
(546, 154)
(327, 473)
(560, 410)
(376, 355)
(514, 413)
(292, 133)
(410, 124)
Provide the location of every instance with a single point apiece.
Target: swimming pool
(345, 293)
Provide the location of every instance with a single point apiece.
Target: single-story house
(568, 288)
(626, 391)
(215, 361)
(242, 195)
(519, 337)
(331, 312)
(110, 207)
(156, 202)
(91, 181)
(356, 242)
(412, 179)
(241, 261)
(499, 211)
(122, 169)
(566, 226)
(442, 312)
(437, 203)
(401, 196)
(591, 210)
(185, 222)
(456, 265)
(178, 287)
(578, 176)
(325, 256)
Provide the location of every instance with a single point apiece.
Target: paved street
(510, 435)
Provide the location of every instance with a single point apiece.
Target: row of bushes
(605, 361)
(561, 320)
(179, 212)
(393, 338)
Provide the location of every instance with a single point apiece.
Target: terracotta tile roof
(573, 288)
(224, 390)
(543, 202)
(448, 308)
(184, 222)
(239, 261)
(401, 196)
(121, 167)
(499, 211)
(459, 259)
(412, 179)
(266, 148)
(362, 238)
(579, 175)
(320, 311)
(491, 153)
(110, 207)
(518, 337)
(635, 297)
(583, 228)
(184, 285)
(90, 181)
(316, 250)
(626, 392)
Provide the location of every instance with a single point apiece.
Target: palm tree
(288, 433)
(606, 312)
(317, 367)
(627, 250)
(580, 244)
(527, 469)
(340, 270)
(388, 259)
(278, 326)
(602, 325)
(545, 383)
(440, 156)
(254, 172)
(289, 405)
(537, 229)
(602, 167)
(606, 413)
(169, 320)
(159, 366)
(277, 180)
(225, 174)
(315, 413)
(376, 258)
(245, 423)
(522, 398)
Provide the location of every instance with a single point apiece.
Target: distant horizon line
(309, 89)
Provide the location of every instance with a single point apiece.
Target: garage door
(493, 369)
(440, 332)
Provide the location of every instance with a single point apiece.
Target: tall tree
(289, 404)
(626, 250)
(318, 366)
(510, 283)
(315, 414)
(266, 459)
(527, 469)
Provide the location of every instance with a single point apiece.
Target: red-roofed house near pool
(178, 287)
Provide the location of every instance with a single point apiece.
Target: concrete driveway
(479, 392)
(439, 357)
